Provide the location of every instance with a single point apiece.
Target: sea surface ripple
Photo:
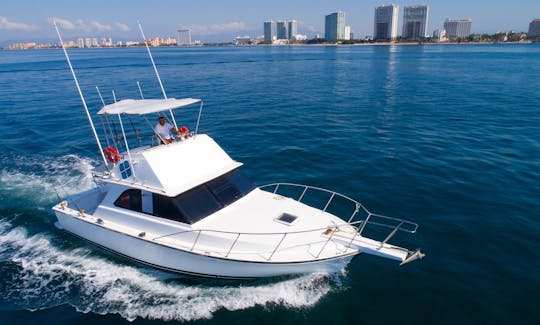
(446, 136)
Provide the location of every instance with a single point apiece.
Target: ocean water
(447, 136)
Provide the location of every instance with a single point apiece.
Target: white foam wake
(49, 276)
(35, 178)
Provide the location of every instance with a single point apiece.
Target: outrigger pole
(81, 94)
(156, 71)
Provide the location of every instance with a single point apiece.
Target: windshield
(203, 200)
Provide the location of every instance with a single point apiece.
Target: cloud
(10, 25)
(92, 26)
(233, 26)
(62, 23)
(123, 27)
(99, 26)
(307, 27)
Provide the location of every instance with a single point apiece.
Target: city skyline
(211, 20)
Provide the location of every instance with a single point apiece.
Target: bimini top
(146, 106)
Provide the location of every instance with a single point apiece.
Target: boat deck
(234, 232)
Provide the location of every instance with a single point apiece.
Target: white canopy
(146, 106)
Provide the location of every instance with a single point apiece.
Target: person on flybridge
(163, 131)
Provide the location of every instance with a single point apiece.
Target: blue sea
(447, 136)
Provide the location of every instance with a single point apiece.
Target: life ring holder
(183, 132)
(112, 154)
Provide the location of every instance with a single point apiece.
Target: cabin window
(197, 203)
(164, 207)
(130, 199)
(203, 200)
(230, 187)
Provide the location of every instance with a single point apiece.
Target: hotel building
(458, 28)
(415, 22)
(334, 26)
(534, 28)
(183, 37)
(268, 31)
(386, 23)
(281, 29)
(293, 29)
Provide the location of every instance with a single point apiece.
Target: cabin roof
(180, 166)
(146, 106)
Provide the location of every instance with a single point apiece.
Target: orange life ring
(183, 132)
(112, 155)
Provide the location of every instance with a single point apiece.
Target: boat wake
(41, 269)
(42, 276)
(35, 178)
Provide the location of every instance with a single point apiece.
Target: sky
(222, 20)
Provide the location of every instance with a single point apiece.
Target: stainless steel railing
(237, 235)
(380, 220)
(355, 223)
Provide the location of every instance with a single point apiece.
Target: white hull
(181, 261)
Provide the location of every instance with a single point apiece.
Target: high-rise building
(183, 37)
(458, 28)
(534, 28)
(334, 26)
(268, 31)
(80, 43)
(386, 23)
(293, 29)
(415, 22)
(281, 29)
(106, 42)
(347, 33)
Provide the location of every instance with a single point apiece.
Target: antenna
(156, 71)
(81, 95)
(101, 118)
(140, 91)
(100, 97)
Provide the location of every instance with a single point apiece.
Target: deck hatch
(286, 218)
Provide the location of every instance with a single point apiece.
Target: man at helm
(163, 131)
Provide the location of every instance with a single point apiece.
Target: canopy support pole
(156, 71)
(127, 147)
(81, 95)
(198, 118)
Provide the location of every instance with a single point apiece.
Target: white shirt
(164, 130)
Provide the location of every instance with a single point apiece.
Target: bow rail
(356, 219)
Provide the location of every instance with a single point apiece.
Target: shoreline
(287, 45)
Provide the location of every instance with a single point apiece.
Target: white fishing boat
(187, 207)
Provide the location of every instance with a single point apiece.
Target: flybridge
(140, 107)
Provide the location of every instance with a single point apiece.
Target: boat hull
(186, 262)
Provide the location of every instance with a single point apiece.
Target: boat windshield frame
(194, 204)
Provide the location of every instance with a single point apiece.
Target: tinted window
(230, 187)
(242, 182)
(130, 199)
(203, 200)
(165, 208)
(197, 204)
